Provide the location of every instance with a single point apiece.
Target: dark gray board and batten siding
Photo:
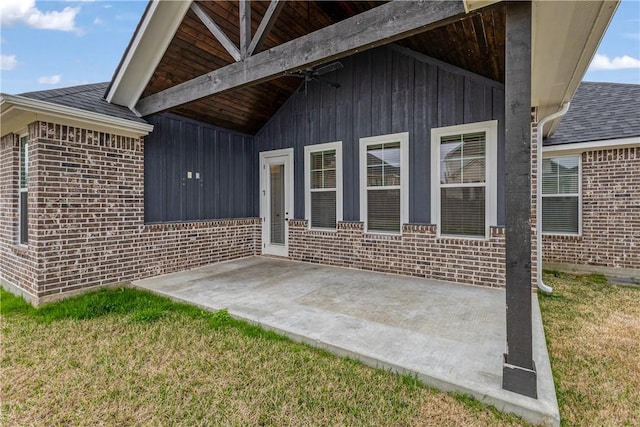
(383, 91)
(223, 159)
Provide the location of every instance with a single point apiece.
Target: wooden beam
(378, 26)
(519, 371)
(269, 18)
(216, 31)
(245, 26)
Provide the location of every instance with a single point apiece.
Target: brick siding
(416, 252)
(86, 202)
(610, 214)
(18, 264)
(86, 217)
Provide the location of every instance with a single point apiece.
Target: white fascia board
(581, 147)
(471, 5)
(148, 46)
(11, 107)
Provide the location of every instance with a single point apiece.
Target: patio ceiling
(236, 79)
(475, 43)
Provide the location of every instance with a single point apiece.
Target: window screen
(323, 189)
(383, 187)
(462, 184)
(561, 195)
(23, 212)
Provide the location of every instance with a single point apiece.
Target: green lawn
(593, 336)
(125, 357)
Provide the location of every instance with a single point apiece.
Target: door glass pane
(276, 197)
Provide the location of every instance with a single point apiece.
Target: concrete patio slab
(451, 336)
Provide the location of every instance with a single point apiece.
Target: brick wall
(610, 214)
(18, 264)
(87, 226)
(416, 252)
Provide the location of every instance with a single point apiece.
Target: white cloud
(50, 80)
(8, 62)
(98, 21)
(632, 36)
(26, 12)
(603, 62)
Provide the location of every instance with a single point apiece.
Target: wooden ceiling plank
(216, 31)
(381, 25)
(270, 17)
(245, 27)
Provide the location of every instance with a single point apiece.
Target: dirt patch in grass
(126, 357)
(593, 335)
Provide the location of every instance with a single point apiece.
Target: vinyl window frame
(490, 128)
(403, 139)
(23, 191)
(578, 194)
(315, 148)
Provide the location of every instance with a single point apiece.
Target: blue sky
(49, 44)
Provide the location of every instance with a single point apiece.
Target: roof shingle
(600, 112)
(86, 97)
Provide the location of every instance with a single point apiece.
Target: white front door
(276, 200)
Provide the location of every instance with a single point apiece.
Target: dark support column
(519, 372)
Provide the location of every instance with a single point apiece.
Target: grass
(126, 357)
(593, 336)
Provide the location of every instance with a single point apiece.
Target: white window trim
(20, 188)
(551, 233)
(491, 176)
(403, 138)
(308, 149)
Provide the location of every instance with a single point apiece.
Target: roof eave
(560, 61)
(580, 147)
(155, 31)
(471, 5)
(18, 111)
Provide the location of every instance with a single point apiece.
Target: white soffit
(149, 43)
(17, 112)
(566, 35)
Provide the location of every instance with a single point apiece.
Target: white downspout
(541, 285)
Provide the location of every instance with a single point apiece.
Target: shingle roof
(598, 112)
(86, 97)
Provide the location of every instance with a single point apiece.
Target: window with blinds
(462, 184)
(383, 182)
(323, 189)
(463, 179)
(561, 195)
(23, 192)
(323, 170)
(383, 187)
